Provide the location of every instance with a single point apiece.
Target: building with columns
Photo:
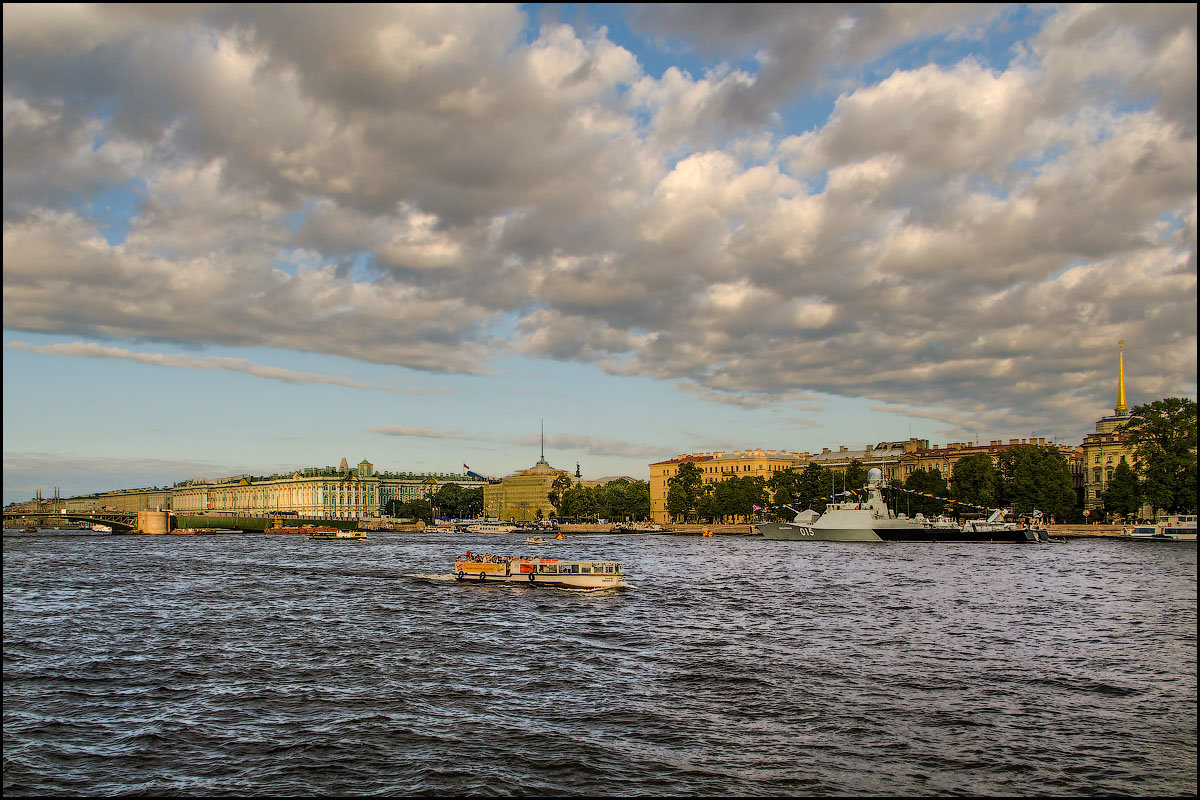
(343, 492)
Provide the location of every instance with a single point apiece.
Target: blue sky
(244, 239)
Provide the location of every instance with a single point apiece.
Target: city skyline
(254, 239)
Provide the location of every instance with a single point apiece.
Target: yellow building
(716, 467)
(524, 495)
(1104, 449)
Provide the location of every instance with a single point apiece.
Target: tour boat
(870, 520)
(334, 534)
(477, 568)
(490, 527)
(1168, 529)
(638, 527)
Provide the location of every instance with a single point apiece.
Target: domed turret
(874, 475)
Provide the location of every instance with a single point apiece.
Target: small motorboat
(535, 540)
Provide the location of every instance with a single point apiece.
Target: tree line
(616, 500)
(1024, 478)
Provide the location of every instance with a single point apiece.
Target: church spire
(1121, 409)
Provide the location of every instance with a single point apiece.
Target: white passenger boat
(638, 527)
(332, 534)
(1177, 528)
(490, 527)
(571, 574)
(870, 520)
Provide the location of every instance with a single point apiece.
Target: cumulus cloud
(391, 183)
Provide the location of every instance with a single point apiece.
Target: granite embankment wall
(746, 530)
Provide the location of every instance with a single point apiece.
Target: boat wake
(426, 576)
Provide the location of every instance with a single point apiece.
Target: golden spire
(1120, 409)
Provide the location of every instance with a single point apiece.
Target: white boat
(1176, 528)
(96, 526)
(638, 527)
(535, 540)
(336, 535)
(870, 520)
(490, 527)
(474, 568)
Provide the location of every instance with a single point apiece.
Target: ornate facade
(327, 493)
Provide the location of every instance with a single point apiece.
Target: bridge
(117, 520)
(127, 521)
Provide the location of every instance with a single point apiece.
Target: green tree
(561, 484)
(974, 479)
(1123, 496)
(815, 485)
(855, 476)
(925, 482)
(1036, 477)
(784, 486)
(689, 485)
(411, 509)
(1163, 435)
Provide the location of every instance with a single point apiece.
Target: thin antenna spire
(1121, 408)
(543, 439)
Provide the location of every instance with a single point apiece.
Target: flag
(757, 508)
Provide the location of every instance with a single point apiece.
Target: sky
(249, 239)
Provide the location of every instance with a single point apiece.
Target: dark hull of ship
(792, 532)
(1017, 536)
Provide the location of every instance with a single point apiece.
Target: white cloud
(388, 183)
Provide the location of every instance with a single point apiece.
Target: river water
(261, 665)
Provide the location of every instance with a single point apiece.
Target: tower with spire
(1120, 410)
(1106, 448)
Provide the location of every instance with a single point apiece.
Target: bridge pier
(153, 522)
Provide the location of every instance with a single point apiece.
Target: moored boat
(638, 527)
(1181, 528)
(490, 527)
(29, 530)
(571, 574)
(333, 534)
(870, 520)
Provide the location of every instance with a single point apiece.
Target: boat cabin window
(586, 570)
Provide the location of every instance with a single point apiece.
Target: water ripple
(258, 666)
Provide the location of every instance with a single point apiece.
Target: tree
(855, 476)
(922, 482)
(1163, 436)
(411, 509)
(785, 487)
(560, 485)
(1034, 477)
(975, 480)
(1124, 493)
(689, 483)
(815, 485)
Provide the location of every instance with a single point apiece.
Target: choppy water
(269, 665)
